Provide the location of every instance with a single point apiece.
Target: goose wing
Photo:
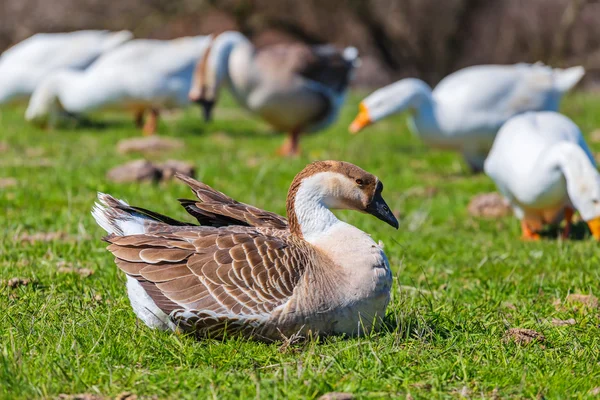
(323, 64)
(208, 278)
(214, 208)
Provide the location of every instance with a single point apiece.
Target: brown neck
(290, 204)
(309, 170)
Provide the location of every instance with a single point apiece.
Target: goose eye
(359, 181)
(595, 201)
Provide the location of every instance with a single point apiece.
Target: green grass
(459, 282)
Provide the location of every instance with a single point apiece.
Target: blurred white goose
(24, 65)
(542, 165)
(140, 75)
(465, 110)
(294, 87)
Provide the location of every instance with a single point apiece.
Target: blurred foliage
(397, 38)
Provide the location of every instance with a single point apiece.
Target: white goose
(295, 88)
(251, 272)
(140, 75)
(542, 165)
(465, 110)
(24, 65)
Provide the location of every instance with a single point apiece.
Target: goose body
(25, 65)
(251, 272)
(467, 108)
(142, 74)
(542, 165)
(295, 88)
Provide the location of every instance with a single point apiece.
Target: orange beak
(594, 225)
(362, 119)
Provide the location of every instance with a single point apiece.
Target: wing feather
(217, 209)
(239, 275)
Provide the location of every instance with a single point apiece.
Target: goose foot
(291, 147)
(151, 123)
(528, 233)
(139, 118)
(568, 222)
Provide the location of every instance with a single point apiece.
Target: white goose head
(583, 183)
(325, 185)
(212, 69)
(406, 94)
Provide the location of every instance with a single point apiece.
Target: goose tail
(115, 39)
(117, 217)
(566, 79)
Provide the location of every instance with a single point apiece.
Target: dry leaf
(7, 182)
(495, 394)
(337, 396)
(523, 336)
(563, 322)
(16, 282)
(489, 205)
(80, 396)
(43, 237)
(595, 391)
(126, 396)
(148, 145)
(83, 272)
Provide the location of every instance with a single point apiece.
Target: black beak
(207, 107)
(378, 208)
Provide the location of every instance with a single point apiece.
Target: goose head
(584, 193)
(334, 185)
(406, 94)
(212, 69)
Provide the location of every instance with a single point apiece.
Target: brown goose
(295, 88)
(251, 272)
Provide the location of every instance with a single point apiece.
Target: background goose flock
(242, 274)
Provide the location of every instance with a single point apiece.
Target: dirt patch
(4, 147)
(221, 137)
(7, 182)
(146, 171)
(422, 191)
(587, 300)
(563, 322)
(16, 282)
(489, 205)
(523, 336)
(170, 167)
(595, 136)
(43, 237)
(134, 171)
(34, 152)
(149, 145)
(126, 396)
(337, 396)
(80, 396)
(83, 272)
